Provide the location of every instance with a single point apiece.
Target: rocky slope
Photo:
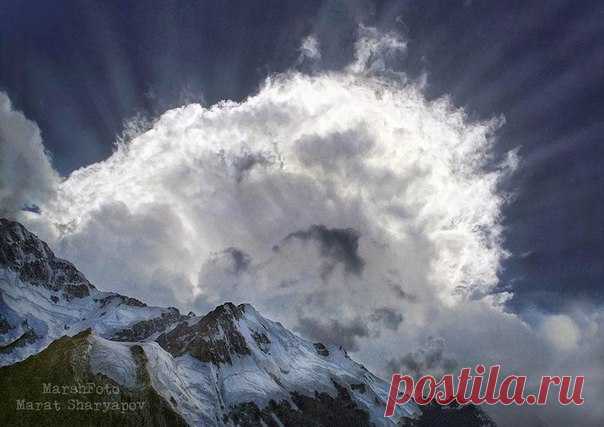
(229, 367)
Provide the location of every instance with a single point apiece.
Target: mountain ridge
(231, 366)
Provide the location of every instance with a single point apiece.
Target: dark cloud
(240, 260)
(286, 283)
(336, 150)
(390, 318)
(224, 272)
(429, 359)
(32, 208)
(243, 163)
(401, 293)
(232, 261)
(333, 331)
(337, 245)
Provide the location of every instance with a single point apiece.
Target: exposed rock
(4, 325)
(213, 338)
(262, 341)
(133, 302)
(359, 387)
(28, 337)
(316, 411)
(34, 262)
(452, 415)
(321, 349)
(142, 330)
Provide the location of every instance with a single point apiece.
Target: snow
(201, 392)
(279, 362)
(21, 301)
(114, 360)
(289, 364)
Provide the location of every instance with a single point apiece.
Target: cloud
(333, 331)
(336, 246)
(245, 162)
(240, 260)
(399, 292)
(338, 152)
(27, 179)
(309, 50)
(363, 172)
(390, 318)
(225, 269)
(428, 359)
(347, 195)
(134, 253)
(373, 49)
(376, 198)
(561, 331)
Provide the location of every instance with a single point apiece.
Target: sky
(420, 182)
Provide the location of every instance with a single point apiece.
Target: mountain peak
(31, 259)
(228, 309)
(213, 338)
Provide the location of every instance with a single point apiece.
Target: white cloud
(339, 150)
(350, 150)
(337, 197)
(373, 49)
(27, 178)
(561, 331)
(349, 193)
(309, 49)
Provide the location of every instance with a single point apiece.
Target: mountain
(59, 335)
(43, 298)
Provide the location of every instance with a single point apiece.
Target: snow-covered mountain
(43, 298)
(229, 367)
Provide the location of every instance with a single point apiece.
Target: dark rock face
(360, 387)
(4, 325)
(318, 410)
(214, 338)
(133, 302)
(321, 349)
(142, 330)
(28, 337)
(452, 415)
(262, 341)
(34, 262)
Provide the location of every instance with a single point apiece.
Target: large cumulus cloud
(336, 151)
(344, 204)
